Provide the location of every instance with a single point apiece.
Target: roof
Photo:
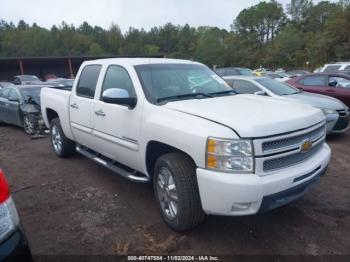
(139, 61)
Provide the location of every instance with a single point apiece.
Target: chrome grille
(292, 159)
(293, 141)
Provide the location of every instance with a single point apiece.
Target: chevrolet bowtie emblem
(305, 146)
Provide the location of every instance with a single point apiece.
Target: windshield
(31, 94)
(29, 78)
(6, 84)
(277, 87)
(246, 72)
(180, 81)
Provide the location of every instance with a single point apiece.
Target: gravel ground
(74, 206)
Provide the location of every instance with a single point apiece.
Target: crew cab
(207, 149)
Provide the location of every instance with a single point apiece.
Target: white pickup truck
(178, 124)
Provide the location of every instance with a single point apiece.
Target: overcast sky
(125, 13)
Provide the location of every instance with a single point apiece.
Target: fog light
(240, 206)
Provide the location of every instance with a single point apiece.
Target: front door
(13, 115)
(116, 127)
(82, 106)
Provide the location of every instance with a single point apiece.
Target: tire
(187, 203)
(62, 146)
(28, 125)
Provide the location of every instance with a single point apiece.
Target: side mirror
(260, 93)
(333, 83)
(119, 96)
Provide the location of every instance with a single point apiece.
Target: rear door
(82, 105)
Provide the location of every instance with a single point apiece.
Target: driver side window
(5, 92)
(118, 77)
(13, 95)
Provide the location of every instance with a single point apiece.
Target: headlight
(329, 111)
(228, 155)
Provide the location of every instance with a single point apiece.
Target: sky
(126, 13)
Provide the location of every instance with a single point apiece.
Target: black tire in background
(183, 172)
(57, 137)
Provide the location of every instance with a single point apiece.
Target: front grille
(288, 142)
(285, 161)
(341, 124)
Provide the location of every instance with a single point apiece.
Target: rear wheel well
(51, 114)
(156, 149)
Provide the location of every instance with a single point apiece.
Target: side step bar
(132, 175)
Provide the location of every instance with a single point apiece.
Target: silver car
(337, 114)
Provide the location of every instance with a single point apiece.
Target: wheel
(176, 191)
(28, 125)
(63, 146)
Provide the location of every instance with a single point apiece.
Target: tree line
(304, 35)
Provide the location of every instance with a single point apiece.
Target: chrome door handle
(75, 106)
(100, 113)
(7, 104)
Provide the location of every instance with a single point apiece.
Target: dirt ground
(75, 206)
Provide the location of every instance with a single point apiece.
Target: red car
(330, 84)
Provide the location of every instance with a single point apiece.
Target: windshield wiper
(224, 92)
(179, 97)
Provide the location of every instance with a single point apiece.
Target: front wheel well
(51, 114)
(156, 149)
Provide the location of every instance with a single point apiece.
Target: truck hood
(251, 115)
(316, 100)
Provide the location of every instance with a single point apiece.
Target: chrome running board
(112, 165)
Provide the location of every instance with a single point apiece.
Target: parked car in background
(233, 71)
(282, 77)
(62, 83)
(260, 71)
(176, 123)
(295, 73)
(13, 242)
(280, 70)
(330, 84)
(336, 67)
(337, 114)
(26, 80)
(4, 84)
(20, 106)
(49, 77)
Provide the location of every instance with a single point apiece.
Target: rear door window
(88, 81)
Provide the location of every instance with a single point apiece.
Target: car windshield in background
(166, 82)
(29, 78)
(277, 88)
(31, 94)
(246, 72)
(5, 84)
